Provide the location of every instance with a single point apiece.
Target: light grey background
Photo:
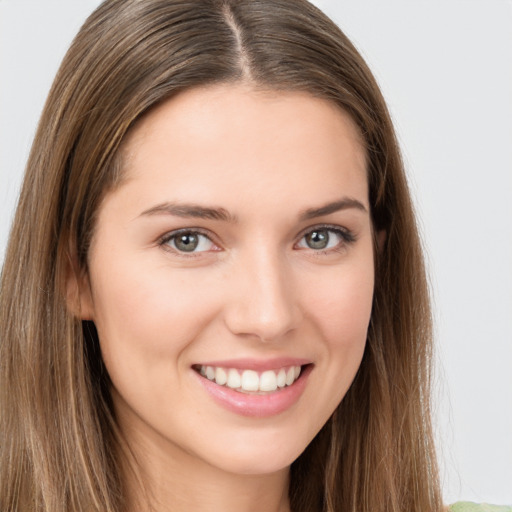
(445, 67)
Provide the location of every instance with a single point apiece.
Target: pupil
(187, 242)
(317, 239)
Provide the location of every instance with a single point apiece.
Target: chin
(256, 466)
(259, 457)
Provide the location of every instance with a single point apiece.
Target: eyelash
(173, 235)
(346, 236)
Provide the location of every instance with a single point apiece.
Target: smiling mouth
(251, 381)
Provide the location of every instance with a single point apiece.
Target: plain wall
(445, 67)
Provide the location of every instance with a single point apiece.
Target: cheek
(149, 310)
(341, 306)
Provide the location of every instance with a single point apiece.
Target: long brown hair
(59, 440)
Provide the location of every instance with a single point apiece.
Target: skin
(256, 290)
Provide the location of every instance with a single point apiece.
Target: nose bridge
(264, 303)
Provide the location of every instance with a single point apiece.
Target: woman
(214, 294)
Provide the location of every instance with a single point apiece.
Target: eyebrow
(336, 206)
(190, 210)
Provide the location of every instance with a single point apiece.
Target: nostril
(266, 323)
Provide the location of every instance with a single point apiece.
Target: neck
(165, 479)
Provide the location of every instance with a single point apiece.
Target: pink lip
(258, 406)
(257, 365)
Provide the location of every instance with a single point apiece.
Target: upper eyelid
(163, 243)
(328, 227)
(175, 232)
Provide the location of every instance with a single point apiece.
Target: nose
(264, 303)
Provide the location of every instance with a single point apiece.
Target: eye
(325, 238)
(187, 241)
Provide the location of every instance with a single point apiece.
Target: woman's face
(236, 253)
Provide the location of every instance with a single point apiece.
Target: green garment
(466, 506)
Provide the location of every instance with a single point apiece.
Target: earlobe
(381, 237)
(77, 291)
(78, 297)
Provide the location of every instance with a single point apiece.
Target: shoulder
(467, 506)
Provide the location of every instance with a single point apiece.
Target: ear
(380, 238)
(77, 290)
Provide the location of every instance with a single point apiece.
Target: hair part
(61, 445)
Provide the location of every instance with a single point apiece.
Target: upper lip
(257, 364)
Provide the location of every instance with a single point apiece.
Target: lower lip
(258, 406)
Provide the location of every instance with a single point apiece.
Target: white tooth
(250, 380)
(268, 381)
(234, 381)
(203, 370)
(281, 378)
(297, 372)
(210, 372)
(290, 376)
(221, 377)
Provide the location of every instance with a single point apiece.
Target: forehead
(206, 139)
